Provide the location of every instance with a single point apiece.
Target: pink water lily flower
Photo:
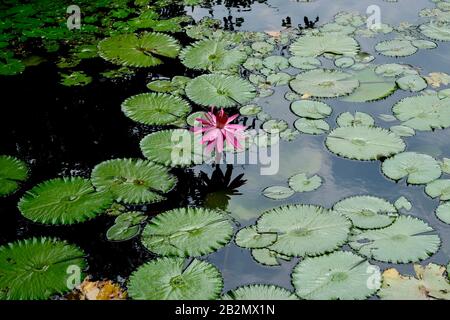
(217, 129)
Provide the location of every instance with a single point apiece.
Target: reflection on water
(341, 177)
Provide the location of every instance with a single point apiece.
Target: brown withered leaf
(436, 79)
(97, 290)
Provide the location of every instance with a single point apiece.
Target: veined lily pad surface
(341, 188)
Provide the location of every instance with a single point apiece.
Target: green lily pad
(339, 275)
(394, 70)
(443, 212)
(131, 218)
(305, 63)
(250, 110)
(311, 109)
(268, 257)
(279, 79)
(64, 201)
(122, 232)
(403, 203)
(436, 31)
(220, 90)
(155, 108)
(302, 183)
(403, 131)
(364, 143)
(311, 126)
(133, 181)
(439, 188)
(425, 112)
(304, 230)
(276, 62)
(367, 212)
(347, 119)
(187, 232)
(12, 172)
(412, 83)
(274, 126)
(138, 51)
(250, 238)
(316, 45)
(175, 147)
(416, 167)
(277, 192)
(38, 268)
(406, 240)
(396, 48)
(212, 55)
(324, 83)
(372, 86)
(259, 292)
(170, 279)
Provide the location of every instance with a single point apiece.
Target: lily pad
(393, 70)
(259, 292)
(36, 269)
(175, 147)
(425, 112)
(274, 126)
(403, 203)
(187, 232)
(277, 192)
(220, 90)
(316, 45)
(339, 275)
(324, 83)
(429, 284)
(416, 167)
(436, 31)
(396, 48)
(171, 279)
(64, 201)
(347, 119)
(276, 62)
(155, 108)
(412, 83)
(305, 63)
(372, 86)
(250, 238)
(439, 188)
(304, 230)
(122, 232)
(250, 110)
(145, 50)
(311, 126)
(311, 109)
(212, 55)
(403, 131)
(268, 257)
(364, 143)
(302, 183)
(367, 212)
(406, 240)
(12, 172)
(133, 181)
(443, 212)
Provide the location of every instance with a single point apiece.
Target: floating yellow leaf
(306, 96)
(98, 290)
(436, 79)
(429, 284)
(274, 34)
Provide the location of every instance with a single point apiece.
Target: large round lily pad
(174, 279)
(133, 181)
(416, 167)
(259, 292)
(324, 83)
(425, 112)
(304, 230)
(340, 275)
(220, 90)
(364, 143)
(64, 201)
(316, 45)
(187, 232)
(156, 108)
(36, 269)
(367, 212)
(138, 51)
(407, 240)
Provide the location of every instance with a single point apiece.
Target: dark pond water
(61, 131)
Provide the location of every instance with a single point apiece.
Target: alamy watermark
(74, 20)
